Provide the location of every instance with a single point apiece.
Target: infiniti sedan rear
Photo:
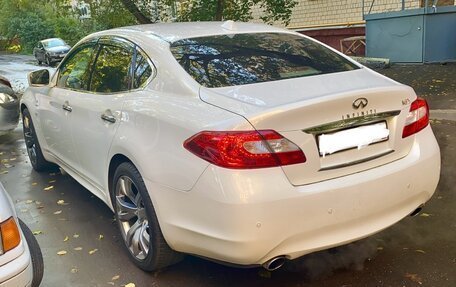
(242, 143)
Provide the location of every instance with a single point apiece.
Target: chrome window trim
(136, 48)
(350, 123)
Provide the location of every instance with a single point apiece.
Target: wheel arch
(23, 107)
(115, 161)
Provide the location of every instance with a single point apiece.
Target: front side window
(240, 59)
(111, 70)
(75, 72)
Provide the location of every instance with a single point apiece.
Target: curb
(375, 63)
(449, 115)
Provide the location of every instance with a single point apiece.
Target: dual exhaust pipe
(275, 263)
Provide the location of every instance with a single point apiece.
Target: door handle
(67, 107)
(108, 118)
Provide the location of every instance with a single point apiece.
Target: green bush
(33, 20)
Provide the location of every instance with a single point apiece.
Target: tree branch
(134, 10)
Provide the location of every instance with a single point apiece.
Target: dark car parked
(50, 51)
(9, 107)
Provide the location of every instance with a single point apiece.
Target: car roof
(171, 32)
(50, 39)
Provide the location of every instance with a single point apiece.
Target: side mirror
(39, 78)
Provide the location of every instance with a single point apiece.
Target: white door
(97, 114)
(56, 110)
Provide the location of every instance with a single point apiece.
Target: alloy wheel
(29, 136)
(132, 217)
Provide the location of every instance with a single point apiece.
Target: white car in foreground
(21, 262)
(243, 143)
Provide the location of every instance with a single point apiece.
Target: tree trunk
(219, 11)
(134, 10)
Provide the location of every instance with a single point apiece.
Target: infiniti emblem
(360, 103)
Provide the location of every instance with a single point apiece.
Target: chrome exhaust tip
(417, 211)
(275, 263)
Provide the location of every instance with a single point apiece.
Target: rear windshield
(53, 43)
(241, 59)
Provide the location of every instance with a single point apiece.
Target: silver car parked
(9, 107)
(21, 261)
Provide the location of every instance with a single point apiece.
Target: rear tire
(33, 146)
(137, 221)
(35, 254)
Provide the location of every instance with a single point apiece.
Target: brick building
(332, 20)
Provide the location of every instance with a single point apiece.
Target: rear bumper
(18, 272)
(57, 58)
(248, 217)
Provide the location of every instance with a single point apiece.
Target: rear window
(241, 59)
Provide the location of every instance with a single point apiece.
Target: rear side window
(75, 73)
(240, 59)
(111, 72)
(142, 71)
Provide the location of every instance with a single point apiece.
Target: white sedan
(21, 262)
(242, 143)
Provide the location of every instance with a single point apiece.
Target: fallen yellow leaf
(93, 251)
(74, 270)
(130, 285)
(48, 188)
(29, 201)
(57, 212)
(37, 232)
(61, 202)
(52, 181)
(66, 239)
(420, 251)
(114, 278)
(78, 248)
(100, 236)
(34, 183)
(425, 214)
(62, 252)
(75, 235)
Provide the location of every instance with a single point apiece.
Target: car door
(38, 52)
(96, 115)
(55, 109)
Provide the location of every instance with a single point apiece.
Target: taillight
(417, 119)
(10, 236)
(245, 149)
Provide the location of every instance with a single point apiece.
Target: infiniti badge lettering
(360, 103)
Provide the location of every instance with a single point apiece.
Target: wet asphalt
(418, 251)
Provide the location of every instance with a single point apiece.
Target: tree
(136, 12)
(215, 10)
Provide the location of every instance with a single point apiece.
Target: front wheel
(35, 254)
(138, 222)
(33, 146)
(48, 61)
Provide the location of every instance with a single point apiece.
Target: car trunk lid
(304, 109)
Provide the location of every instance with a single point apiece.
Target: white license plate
(358, 137)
